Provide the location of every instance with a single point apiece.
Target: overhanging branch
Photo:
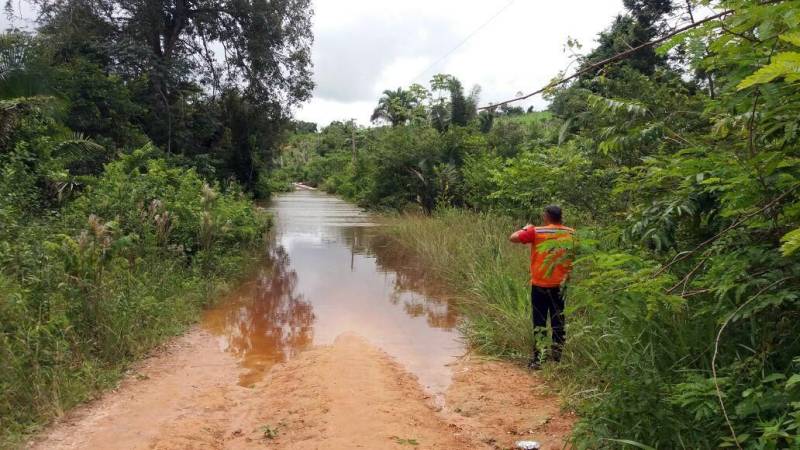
(618, 57)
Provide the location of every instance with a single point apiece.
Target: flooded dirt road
(328, 273)
(337, 341)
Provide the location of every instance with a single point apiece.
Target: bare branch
(620, 56)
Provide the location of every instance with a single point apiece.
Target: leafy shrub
(126, 264)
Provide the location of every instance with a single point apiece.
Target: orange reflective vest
(542, 274)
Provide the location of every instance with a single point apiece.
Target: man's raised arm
(523, 236)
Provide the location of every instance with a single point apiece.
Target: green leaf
(632, 443)
(793, 381)
(773, 377)
(791, 242)
(792, 38)
(792, 17)
(786, 65)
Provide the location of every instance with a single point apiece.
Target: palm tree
(21, 67)
(395, 107)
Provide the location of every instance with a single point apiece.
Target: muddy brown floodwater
(337, 341)
(326, 273)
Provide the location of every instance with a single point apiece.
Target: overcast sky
(362, 47)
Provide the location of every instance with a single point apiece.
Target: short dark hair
(553, 212)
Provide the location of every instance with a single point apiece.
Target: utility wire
(464, 41)
(612, 59)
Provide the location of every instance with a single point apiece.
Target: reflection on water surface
(326, 273)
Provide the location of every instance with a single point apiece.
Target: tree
(451, 106)
(644, 21)
(302, 126)
(649, 13)
(459, 112)
(23, 69)
(171, 45)
(421, 96)
(395, 107)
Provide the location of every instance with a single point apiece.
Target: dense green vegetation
(680, 166)
(128, 155)
(129, 150)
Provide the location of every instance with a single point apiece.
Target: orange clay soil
(344, 396)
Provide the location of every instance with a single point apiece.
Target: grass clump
(470, 252)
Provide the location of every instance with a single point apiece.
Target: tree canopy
(261, 45)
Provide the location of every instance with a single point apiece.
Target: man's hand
(515, 238)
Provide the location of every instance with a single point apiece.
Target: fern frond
(617, 106)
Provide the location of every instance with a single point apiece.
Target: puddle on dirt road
(327, 272)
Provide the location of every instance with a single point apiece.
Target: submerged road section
(336, 341)
(327, 273)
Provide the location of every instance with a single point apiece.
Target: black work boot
(534, 363)
(556, 352)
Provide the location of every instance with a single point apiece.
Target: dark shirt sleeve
(527, 235)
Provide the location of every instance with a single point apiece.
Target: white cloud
(337, 110)
(350, 59)
(363, 47)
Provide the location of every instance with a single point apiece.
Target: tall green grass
(471, 253)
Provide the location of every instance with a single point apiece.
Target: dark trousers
(544, 302)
